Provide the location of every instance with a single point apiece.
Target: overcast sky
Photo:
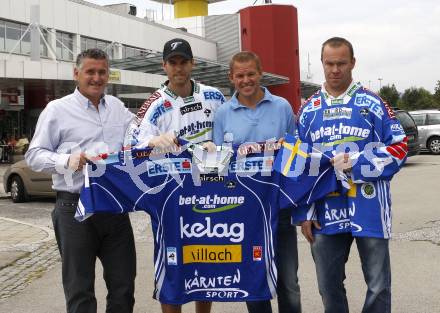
(396, 40)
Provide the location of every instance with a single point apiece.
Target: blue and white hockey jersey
(213, 235)
(363, 125)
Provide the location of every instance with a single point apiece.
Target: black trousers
(286, 254)
(106, 236)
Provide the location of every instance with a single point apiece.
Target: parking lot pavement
(26, 252)
(415, 256)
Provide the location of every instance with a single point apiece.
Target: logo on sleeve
(390, 111)
(397, 128)
(373, 104)
(144, 108)
(313, 105)
(214, 95)
(161, 109)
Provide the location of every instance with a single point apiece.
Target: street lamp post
(380, 83)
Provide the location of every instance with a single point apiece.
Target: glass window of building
(64, 46)
(101, 45)
(128, 51)
(89, 43)
(10, 34)
(107, 47)
(68, 46)
(83, 43)
(59, 47)
(25, 43)
(43, 47)
(13, 33)
(2, 35)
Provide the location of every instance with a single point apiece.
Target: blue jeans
(330, 253)
(286, 254)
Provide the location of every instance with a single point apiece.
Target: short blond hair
(245, 56)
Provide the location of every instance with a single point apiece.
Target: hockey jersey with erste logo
(213, 235)
(360, 123)
(190, 118)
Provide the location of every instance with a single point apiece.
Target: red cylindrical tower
(271, 31)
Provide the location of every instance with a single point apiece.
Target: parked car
(410, 128)
(24, 183)
(428, 124)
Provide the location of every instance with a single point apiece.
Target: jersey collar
(169, 92)
(344, 97)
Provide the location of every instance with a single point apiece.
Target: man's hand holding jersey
(342, 162)
(77, 161)
(163, 141)
(168, 140)
(209, 146)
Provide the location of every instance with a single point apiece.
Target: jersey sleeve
(216, 100)
(118, 187)
(304, 213)
(146, 123)
(214, 95)
(383, 157)
(306, 115)
(307, 177)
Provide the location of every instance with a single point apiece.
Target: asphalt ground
(415, 255)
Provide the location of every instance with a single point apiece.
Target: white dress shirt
(71, 125)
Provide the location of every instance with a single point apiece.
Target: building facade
(39, 41)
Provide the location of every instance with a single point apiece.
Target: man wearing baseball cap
(181, 108)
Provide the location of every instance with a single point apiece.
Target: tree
(417, 99)
(437, 93)
(389, 94)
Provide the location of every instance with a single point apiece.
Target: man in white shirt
(86, 123)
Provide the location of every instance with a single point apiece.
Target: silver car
(428, 125)
(23, 183)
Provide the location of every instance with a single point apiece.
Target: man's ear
(75, 73)
(231, 76)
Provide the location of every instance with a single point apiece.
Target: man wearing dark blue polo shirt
(253, 114)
